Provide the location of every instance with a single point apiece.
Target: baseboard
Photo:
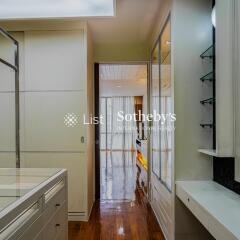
(77, 216)
(80, 216)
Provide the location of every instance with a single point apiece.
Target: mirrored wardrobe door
(166, 105)
(155, 107)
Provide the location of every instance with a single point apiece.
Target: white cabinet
(57, 82)
(224, 81)
(40, 209)
(219, 217)
(237, 90)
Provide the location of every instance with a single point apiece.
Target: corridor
(119, 219)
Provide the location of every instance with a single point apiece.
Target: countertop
(220, 202)
(15, 183)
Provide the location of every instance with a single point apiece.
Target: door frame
(97, 114)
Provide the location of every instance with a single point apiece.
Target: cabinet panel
(55, 60)
(7, 122)
(48, 123)
(224, 83)
(237, 91)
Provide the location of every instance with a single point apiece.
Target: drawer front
(185, 198)
(16, 229)
(33, 230)
(197, 210)
(56, 225)
(54, 204)
(39, 236)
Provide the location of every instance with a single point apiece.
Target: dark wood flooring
(116, 219)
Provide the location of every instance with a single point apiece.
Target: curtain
(117, 135)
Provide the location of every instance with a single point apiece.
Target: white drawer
(54, 201)
(56, 225)
(39, 237)
(185, 198)
(15, 230)
(33, 230)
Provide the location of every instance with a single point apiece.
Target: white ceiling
(123, 80)
(134, 22)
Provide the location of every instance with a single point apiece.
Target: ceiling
(123, 80)
(133, 23)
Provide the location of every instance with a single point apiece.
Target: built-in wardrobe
(56, 91)
(197, 86)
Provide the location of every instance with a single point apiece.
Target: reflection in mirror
(166, 96)
(155, 107)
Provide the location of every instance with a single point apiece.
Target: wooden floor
(110, 220)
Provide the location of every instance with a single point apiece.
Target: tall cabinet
(185, 32)
(56, 85)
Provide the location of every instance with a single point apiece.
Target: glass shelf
(208, 77)
(203, 125)
(208, 100)
(209, 53)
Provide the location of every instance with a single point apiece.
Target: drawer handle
(57, 225)
(58, 205)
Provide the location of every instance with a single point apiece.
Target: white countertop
(15, 183)
(221, 203)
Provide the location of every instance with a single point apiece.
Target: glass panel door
(155, 107)
(166, 107)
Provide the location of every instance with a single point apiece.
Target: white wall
(192, 34)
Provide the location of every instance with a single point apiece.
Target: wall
(188, 68)
(120, 52)
(192, 34)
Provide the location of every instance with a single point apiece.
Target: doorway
(121, 149)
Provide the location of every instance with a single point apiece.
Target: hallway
(118, 175)
(110, 220)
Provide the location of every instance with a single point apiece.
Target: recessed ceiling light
(118, 86)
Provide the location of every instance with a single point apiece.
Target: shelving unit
(208, 77)
(208, 100)
(142, 165)
(209, 55)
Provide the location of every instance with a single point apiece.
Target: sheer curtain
(117, 134)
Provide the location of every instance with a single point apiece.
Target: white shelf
(212, 152)
(216, 207)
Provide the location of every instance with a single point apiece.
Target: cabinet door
(155, 108)
(7, 99)
(237, 91)
(53, 122)
(166, 106)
